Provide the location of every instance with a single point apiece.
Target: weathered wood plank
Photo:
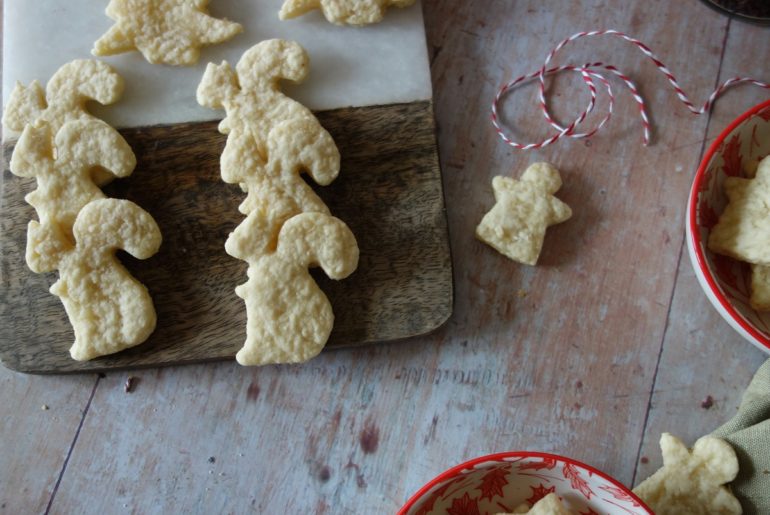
(388, 192)
(702, 356)
(566, 366)
(38, 421)
(595, 311)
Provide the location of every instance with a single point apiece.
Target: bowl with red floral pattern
(502, 483)
(726, 281)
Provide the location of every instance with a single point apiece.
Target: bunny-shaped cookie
(64, 182)
(276, 192)
(289, 317)
(64, 100)
(271, 140)
(108, 308)
(253, 100)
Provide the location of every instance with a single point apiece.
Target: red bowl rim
(695, 233)
(499, 457)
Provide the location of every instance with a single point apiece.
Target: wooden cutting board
(389, 192)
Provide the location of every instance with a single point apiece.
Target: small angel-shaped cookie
(516, 225)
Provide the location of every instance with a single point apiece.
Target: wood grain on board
(389, 192)
(561, 357)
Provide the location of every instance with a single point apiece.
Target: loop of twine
(590, 74)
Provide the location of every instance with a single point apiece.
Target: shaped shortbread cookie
(64, 100)
(64, 182)
(743, 230)
(692, 481)
(164, 31)
(548, 505)
(342, 12)
(253, 101)
(108, 309)
(272, 139)
(65, 96)
(524, 209)
(276, 192)
(289, 317)
(760, 287)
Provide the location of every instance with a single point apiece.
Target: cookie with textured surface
(108, 308)
(343, 12)
(692, 481)
(524, 209)
(289, 317)
(164, 31)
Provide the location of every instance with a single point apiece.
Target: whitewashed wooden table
(593, 353)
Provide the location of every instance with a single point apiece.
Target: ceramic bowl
(499, 483)
(742, 11)
(726, 281)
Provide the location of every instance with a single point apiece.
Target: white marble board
(350, 66)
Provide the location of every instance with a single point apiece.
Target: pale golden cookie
(109, 310)
(342, 12)
(692, 481)
(272, 139)
(254, 103)
(164, 31)
(64, 100)
(760, 287)
(64, 183)
(276, 192)
(69, 153)
(524, 209)
(289, 317)
(743, 230)
(548, 505)
(65, 96)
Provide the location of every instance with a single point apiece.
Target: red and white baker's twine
(590, 74)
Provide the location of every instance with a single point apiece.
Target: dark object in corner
(752, 11)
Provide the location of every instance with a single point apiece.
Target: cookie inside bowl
(727, 281)
(501, 483)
